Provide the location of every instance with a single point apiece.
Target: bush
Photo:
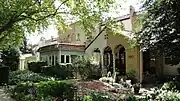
(128, 98)
(4, 74)
(131, 75)
(56, 89)
(10, 58)
(86, 70)
(60, 71)
(36, 66)
(16, 77)
(171, 86)
(97, 96)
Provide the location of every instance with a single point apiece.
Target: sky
(52, 31)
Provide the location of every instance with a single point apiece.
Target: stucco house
(113, 52)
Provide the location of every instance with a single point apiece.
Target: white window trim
(65, 63)
(50, 61)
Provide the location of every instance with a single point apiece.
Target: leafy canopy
(18, 17)
(161, 29)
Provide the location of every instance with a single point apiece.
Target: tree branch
(19, 17)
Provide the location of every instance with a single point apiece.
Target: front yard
(45, 88)
(78, 84)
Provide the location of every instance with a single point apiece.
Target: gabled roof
(121, 18)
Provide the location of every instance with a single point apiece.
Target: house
(113, 52)
(63, 49)
(25, 58)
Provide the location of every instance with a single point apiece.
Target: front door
(121, 62)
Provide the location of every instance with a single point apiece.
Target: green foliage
(59, 71)
(25, 47)
(132, 76)
(85, 69)
(36, 66)
(171, 86)
(160, 29)
(87, 98)
(16, 77)
(97, 96)
(18, 17)
(4, 75)
(45, 90)
(10, 57)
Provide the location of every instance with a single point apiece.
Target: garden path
(4, 96)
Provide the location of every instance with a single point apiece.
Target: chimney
(132, 16)
(132, 11)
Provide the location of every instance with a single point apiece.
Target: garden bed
(84, 87)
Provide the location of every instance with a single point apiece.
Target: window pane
(56, 60)
(53, 62)
(67, 59)
(49, 60)
(62, 59)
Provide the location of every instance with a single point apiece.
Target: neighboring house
(64, 49)
(24, 59)
(112, 52)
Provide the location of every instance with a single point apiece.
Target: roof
(121, 18)
(65, 45)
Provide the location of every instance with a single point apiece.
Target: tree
(18, 17)
(160, 28)
(10, 57)
(24, 47)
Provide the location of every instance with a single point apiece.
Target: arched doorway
(108, 59)
(120, 60)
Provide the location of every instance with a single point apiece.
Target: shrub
(171, 86)
(97, 96)
(36, 66)
(128, 98)
(56, 89)
(131, 75)
(86, 70)
(16, 77)
(60, 71)
(4, 74)
(10, 58)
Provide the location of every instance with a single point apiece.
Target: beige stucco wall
(70, 35)
(127, 24)
(132, 54)
(100, 43)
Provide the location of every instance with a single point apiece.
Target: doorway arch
(120, 60)
(108, 59)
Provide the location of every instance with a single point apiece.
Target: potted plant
(136, 88)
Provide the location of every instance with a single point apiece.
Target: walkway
(4, 96)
